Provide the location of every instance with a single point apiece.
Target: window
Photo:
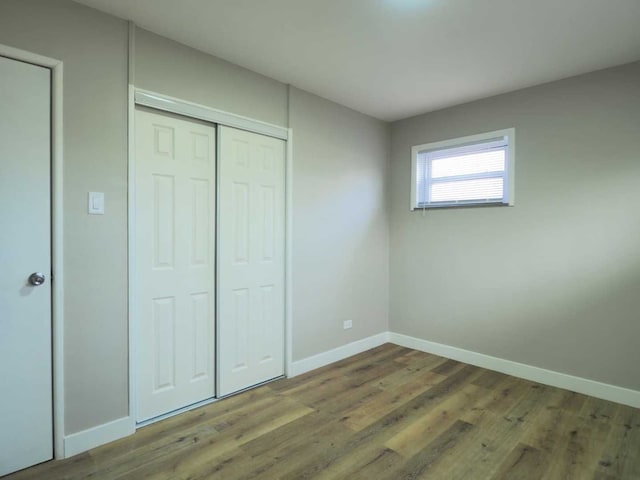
(475, 170)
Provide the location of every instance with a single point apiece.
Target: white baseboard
(325, 358)
(548, 377)
(94, 437)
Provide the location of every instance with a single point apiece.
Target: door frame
(57, 238)
(161, 102)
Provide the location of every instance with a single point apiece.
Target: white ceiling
(395, 58)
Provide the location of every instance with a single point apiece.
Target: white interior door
(250, 259)
(26, 424)
(175, 262)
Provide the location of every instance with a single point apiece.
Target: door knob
(36, 278)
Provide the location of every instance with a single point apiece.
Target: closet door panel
(250, 259)
(174, 267)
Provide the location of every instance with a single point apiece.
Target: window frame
(509, 175)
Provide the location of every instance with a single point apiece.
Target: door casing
(57, 255)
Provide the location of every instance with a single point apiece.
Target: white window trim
(509, 133)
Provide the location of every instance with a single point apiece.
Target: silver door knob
(36, 278)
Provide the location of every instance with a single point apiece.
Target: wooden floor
(390, 413)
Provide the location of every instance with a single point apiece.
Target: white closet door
(175, 262)
(26, 426)
(250, 259)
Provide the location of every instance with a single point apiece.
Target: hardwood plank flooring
(389, 413)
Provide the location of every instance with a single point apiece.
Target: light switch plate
(96, 203)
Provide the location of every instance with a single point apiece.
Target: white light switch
(96, 203)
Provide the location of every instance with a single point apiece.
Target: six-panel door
(174, 262)
(251, 247)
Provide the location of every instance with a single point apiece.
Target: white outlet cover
(348, 324)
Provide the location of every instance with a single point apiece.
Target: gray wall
(93, 47)
(551, 282)
(168, 67)
(340, 252)
(340, 155)
(554, 281)
(340, 224)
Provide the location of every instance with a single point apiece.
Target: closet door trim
(213, 115)
(141, 97)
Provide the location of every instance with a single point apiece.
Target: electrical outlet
(347, 324)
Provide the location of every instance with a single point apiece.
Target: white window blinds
(464, 174)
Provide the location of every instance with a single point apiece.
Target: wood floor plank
(364, 414)
(523, 463)
(290, 450)
(427, 459)
(389, 424)
(490, 379)
(502, 397)
(226, 443)
(576, 441)
(383, 466)
(391, 413)
(408, 378)
(416, 358)
(497, 434)
(410, 440)
(621, 453)
(448, 367)
(188, 441)
(382, 354)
